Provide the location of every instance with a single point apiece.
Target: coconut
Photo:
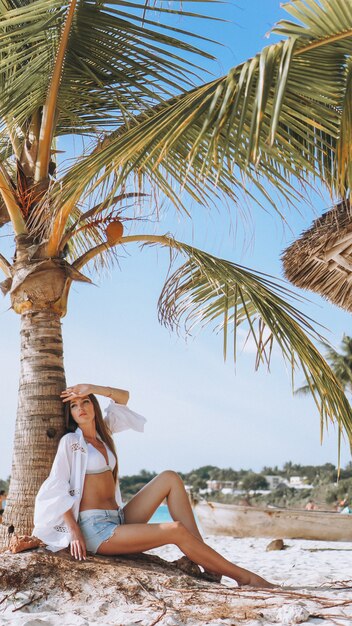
(114, 232)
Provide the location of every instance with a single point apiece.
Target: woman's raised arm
(84, 389)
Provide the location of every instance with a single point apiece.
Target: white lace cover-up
(63, 488)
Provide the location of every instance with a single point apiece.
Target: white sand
(302, 563)
(314, 568)
(319, 572)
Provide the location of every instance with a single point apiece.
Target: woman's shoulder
(70, 437)
(69, 443)
(67, 439)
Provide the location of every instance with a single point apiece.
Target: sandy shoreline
(317, 577)
(312, 563)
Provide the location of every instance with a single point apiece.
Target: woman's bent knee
(170, 476)
(179, 535)
(176, 530)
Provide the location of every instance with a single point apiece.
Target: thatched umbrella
(321, 259)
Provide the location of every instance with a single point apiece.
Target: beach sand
(315, 579)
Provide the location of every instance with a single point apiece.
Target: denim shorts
(98, 525)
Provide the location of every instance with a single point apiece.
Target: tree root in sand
(141, 589)
(192, 569)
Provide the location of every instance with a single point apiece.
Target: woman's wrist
(102, 391)
(120, 396)
(70, 522)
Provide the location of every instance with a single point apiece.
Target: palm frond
(315, 21)
(340, 363)
(276, 117)
(28, 41)
(4, 216)
(112, 66)
(49, 113)
(5, 266)
(208, 290)
(10, 201)
(305, 390)
(343, 161)
(101, 207)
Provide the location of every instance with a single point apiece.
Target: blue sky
(199, 410)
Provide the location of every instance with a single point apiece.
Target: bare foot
(256, 581)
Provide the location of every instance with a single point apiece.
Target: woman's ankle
(242, 576)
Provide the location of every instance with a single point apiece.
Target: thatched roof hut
(321, 259)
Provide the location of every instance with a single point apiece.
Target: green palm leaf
(340, 363)
(207, 290)
(276, 117)
(4, 216)
(112, 64)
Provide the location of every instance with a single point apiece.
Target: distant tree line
(4, 484)
(323, 478)
(326, 488)
(129, 485)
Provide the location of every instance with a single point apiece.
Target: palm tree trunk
(39, 423)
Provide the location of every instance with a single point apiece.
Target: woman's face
(82, 410)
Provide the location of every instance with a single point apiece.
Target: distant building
(275, 481)
(225, 486)
(299, 482)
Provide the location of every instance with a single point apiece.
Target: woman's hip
(98, 525)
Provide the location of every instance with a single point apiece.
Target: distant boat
(250, 521)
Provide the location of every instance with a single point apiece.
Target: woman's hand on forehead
(76, 391)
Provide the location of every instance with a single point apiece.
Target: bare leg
(167, 485)
(132, 538)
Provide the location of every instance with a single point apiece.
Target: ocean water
(161, 515)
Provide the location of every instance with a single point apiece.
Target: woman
(80, 503)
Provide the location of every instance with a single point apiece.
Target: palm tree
(340, 363)
(121, 80)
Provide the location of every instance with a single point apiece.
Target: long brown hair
(102, 429)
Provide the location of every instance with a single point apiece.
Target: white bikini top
(96, 463)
